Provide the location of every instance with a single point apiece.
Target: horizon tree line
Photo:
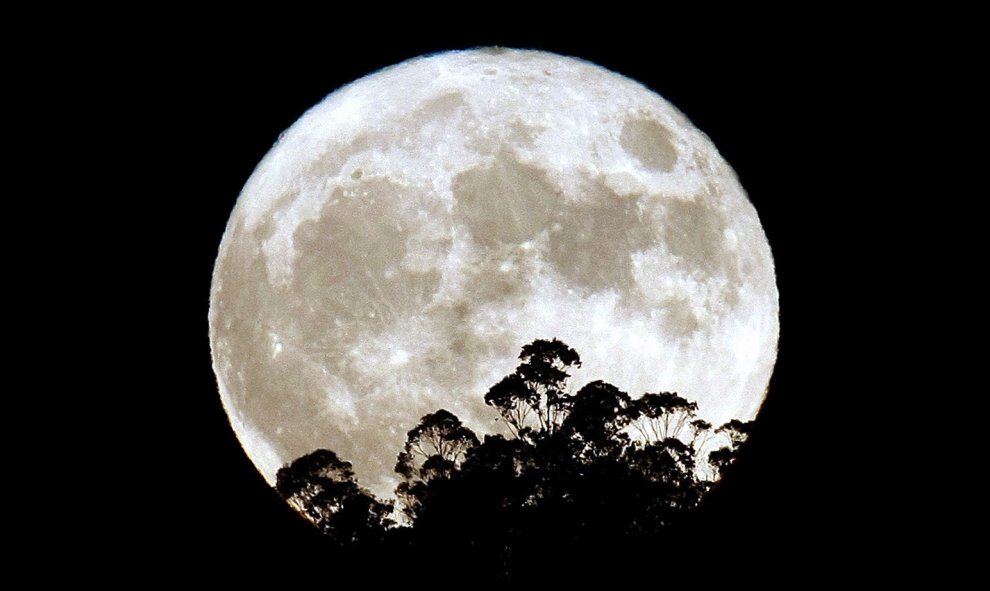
(575, 470)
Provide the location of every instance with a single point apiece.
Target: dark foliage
(434, 451)
(533, 400)
(583, 476)
(321, 486)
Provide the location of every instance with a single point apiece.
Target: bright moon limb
(406, 236)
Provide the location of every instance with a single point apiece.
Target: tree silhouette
(533, 399)
(434, 449)
(576, 474)
(737, 433)
(322, 488)
(597, 418)
(662, 415)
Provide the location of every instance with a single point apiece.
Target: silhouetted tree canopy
(533, 399)
(434, 450)
(321, 486)
(573, 472)
(596, 420)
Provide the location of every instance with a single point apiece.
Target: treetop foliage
(573, 469)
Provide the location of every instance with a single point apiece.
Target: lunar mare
(403, 239)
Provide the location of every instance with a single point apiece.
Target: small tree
(434, 450)
(737, 433)
(668, 486)
(661, 416)
(322, 488)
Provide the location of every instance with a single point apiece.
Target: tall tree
(534, 400)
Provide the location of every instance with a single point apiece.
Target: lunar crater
(651, 143)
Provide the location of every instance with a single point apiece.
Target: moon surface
(408, 235)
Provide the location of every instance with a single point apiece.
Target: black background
(776, 106)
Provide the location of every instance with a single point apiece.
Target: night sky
(772, 106)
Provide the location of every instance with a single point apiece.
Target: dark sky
(773, 105)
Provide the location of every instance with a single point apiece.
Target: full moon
(409, 234)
